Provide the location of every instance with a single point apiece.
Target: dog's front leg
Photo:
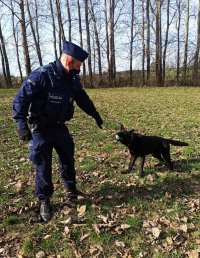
(141, 173)
(132, 162)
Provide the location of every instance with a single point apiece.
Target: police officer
(44, 103)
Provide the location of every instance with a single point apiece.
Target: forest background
(130, 43)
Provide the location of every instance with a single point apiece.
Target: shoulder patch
(31, 82)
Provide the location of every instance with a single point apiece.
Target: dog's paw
(125, 172)
(159, 164)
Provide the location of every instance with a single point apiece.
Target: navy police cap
(75, 51)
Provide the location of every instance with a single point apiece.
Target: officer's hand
(24, 134)
(99, 121)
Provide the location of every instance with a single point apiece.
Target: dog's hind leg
(158, 156)
(141, 173)
(132, 162)
(167, 158)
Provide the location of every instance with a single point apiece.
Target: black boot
(73, 194)
(45, 210)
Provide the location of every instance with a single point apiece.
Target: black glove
(24, 134)
(99, 121)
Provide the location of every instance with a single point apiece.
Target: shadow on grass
(180, 166)
(170, 184)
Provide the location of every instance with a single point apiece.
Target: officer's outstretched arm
(86, 104)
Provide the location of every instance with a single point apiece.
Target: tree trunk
(158, 45)
(143, 44)
(3, 68)
(112, 66)
(54, 29)
(16, 43)
(69, 21)
(5, 62)
(186, 39)
(148, 43)
(35, 37)
(37, 31)
(107, 39)
(131, 42)
(178, 43)
(88, 44)
(61, 33)
(81, 38)
(24, 38)
(166, 41)
(96, 39)
(196, 57)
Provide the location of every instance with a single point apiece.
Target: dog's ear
(122, 127)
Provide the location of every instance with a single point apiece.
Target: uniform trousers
(40, 153)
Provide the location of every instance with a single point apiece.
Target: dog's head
(124, 136)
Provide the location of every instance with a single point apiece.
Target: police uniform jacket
(47, 97)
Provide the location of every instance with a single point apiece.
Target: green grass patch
(116, 198)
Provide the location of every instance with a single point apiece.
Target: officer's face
(74, 67)
(76, 64)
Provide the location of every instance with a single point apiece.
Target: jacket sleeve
(83, 101)
(23, 98)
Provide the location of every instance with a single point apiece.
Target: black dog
(140, 146)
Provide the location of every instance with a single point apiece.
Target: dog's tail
(178, 143)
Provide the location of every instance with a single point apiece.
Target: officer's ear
(68, 64)
(66, 61)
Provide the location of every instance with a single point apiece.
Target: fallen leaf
(125, 226)
(119, 243)
(47, 236)
(67, 221)
(18, 186)
(184, 228)
(84, 237)
(169, 240)
(193, 254)
(40, 254)
(96, 228)
(104, 218)
(66, 230)
(156, 232)
(81, 210)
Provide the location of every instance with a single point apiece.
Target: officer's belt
(38, 126)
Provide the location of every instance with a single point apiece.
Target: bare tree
(186, 39)
(61, 33)
(112, 71)
(178, 41)
(3, 68)
(35, 31)
(69, 20)
(88, 43)
(24, 38)
(15, 31)
(196, 57)
(54, 28)
(148, 42)
(107, 37)
(131, 40)
(5, 62)
(96, 38)
(81, 37)
(158, 44)
(143, 43)
(166, 40)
